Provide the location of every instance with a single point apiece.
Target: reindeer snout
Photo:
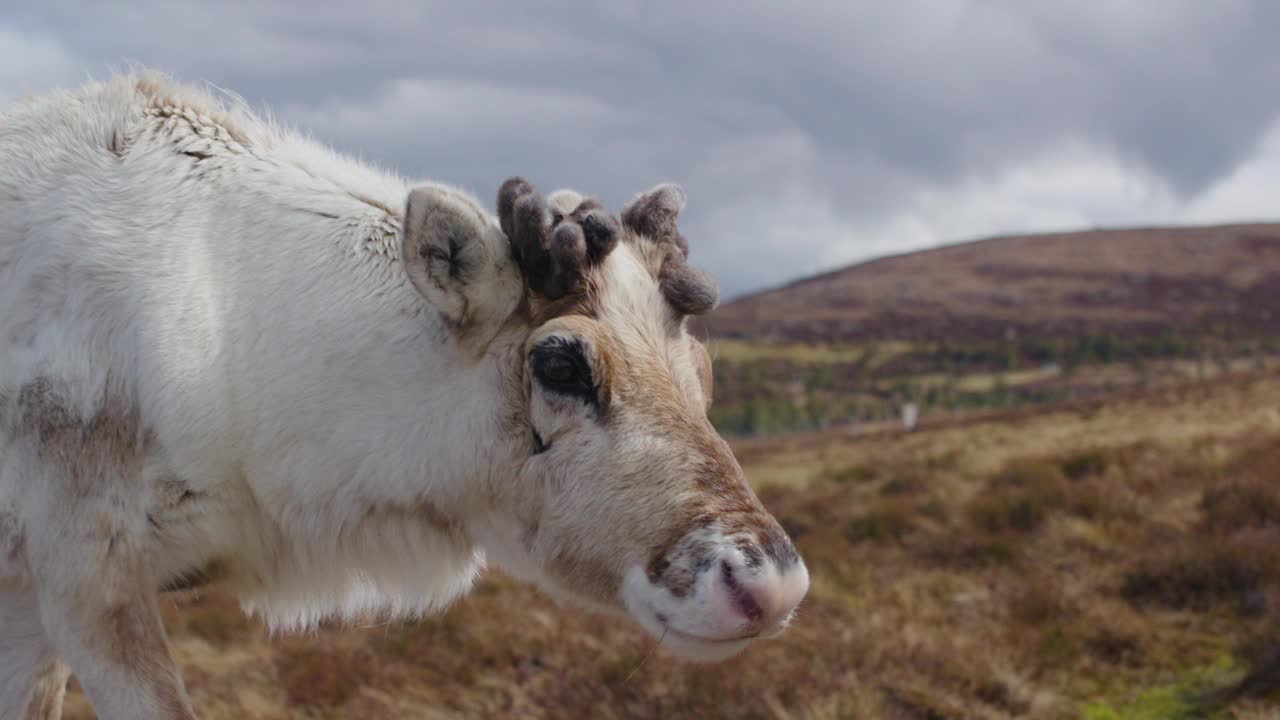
(764, 597)
(715, 591)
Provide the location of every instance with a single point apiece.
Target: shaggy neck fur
(319, 345)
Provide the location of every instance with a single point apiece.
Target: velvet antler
(554, 246)
(653, 214)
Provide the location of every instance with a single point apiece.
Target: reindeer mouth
(763, 634)
(690, 645)
(690, 637)
(699, 648)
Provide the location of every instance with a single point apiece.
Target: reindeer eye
(560, 367)
(558, 371)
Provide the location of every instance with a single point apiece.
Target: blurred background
(998, 345)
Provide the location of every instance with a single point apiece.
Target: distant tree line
(776, 393)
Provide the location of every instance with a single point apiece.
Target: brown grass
(1083, 561)
(1194, 575)
(318, 675)
(1239, 505)
(1084, 464)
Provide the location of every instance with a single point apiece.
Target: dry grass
(801, 353)
(1110, 560)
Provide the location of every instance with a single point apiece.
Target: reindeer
(231, 357)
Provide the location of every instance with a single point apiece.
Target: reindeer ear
(455, 256)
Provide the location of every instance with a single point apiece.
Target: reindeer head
(627, 498)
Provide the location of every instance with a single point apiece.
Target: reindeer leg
(108, 628)
(84, 516)
(32, 678)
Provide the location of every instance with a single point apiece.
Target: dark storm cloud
(804, 134)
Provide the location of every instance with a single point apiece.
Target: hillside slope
(1221, 279)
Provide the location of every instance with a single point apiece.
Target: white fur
(258, 303)
(287, 369)
(334, 427)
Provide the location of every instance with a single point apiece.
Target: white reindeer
(228, 355)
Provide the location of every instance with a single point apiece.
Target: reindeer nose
(763, 596)
(714, 592)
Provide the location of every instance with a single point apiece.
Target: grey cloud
(793, 128)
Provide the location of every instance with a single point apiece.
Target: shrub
(1038, 602)
(889, 523)
(1025, 474)
(1019, 498)
(855, 473)
(1240, 505)
(903, 482)
(1195, 575)
(934, 509)
(1113, 645)
(1004, 512)
(1083, 465)
(972, 551)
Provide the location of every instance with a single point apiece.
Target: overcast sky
(808, 135)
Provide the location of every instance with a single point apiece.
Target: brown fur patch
(40, 409)
(587, 577)
(167, 100)
(420, 513)
(678, 568)
(110, 442)
(439, 519)
(777, 545)
(114, 613)
(47, 691)
(585, 304)
(11, 540)
(130, 633)
(215, 571)
(118, 144)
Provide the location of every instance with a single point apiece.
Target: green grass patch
(855, 474)
(1184, 700)
(741, 351)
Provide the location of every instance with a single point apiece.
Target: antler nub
(654, 215)
(554, 244)
(690, 291)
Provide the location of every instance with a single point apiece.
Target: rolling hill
(1223, 280)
